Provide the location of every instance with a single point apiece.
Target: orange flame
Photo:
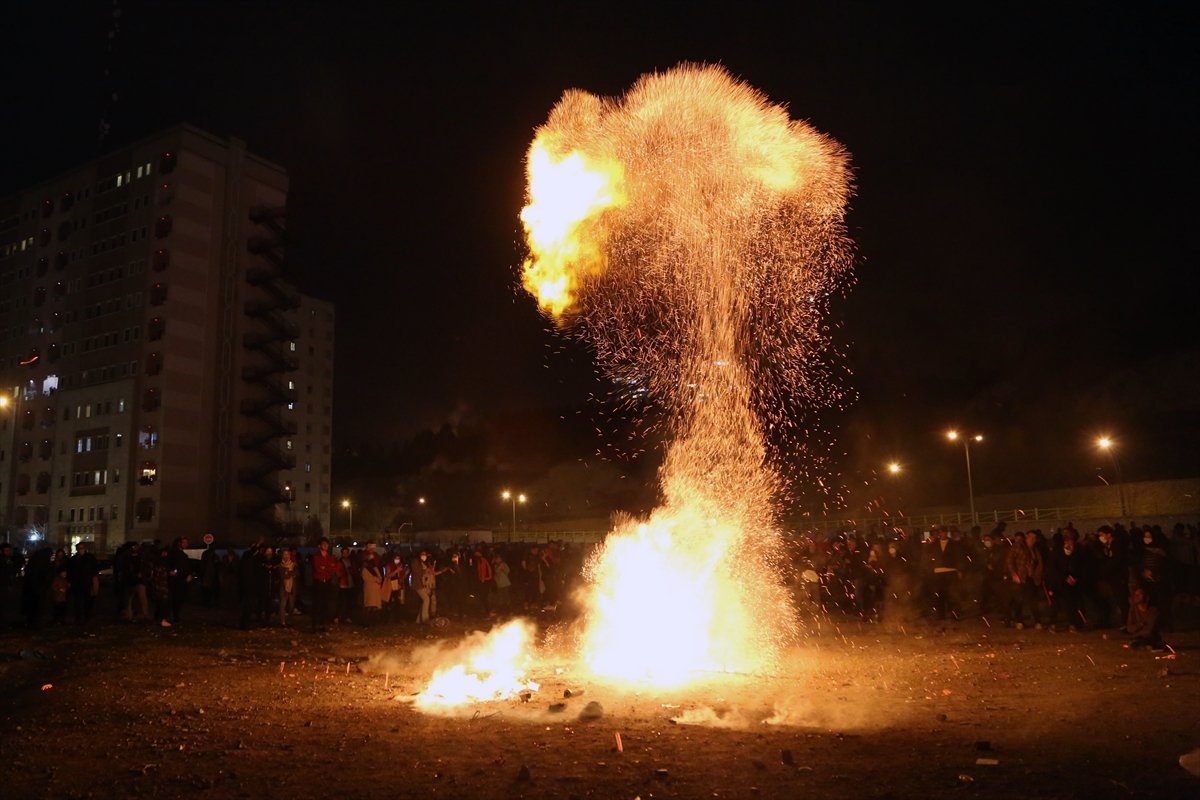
(566, 195)
(492, 670)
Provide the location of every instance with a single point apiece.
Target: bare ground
(865, 711)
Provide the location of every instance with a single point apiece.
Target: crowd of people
(265, 585)
(1113, 576)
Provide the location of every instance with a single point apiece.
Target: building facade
(150, 347)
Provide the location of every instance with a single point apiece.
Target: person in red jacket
(487, 582)
(324, 572)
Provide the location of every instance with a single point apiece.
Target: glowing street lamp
(514, 499)
(894, 468)
(966, 440)
(346, 504)
(1109, 446)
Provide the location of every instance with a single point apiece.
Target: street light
(346, 504)
(966, 440)
(514, 498)
(1109, 446)
(894, 468)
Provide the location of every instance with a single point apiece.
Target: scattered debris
(987, 762)
(1191, 762)
(47, 687)
(787, 758)
(965, 778)
(620, 744)
(592, 710)
(661, 773)
(34, 655)
(556, 708)
(523, 775)
(983, 745)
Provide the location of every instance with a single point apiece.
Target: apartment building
(150, 346)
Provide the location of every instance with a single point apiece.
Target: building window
(144, 509)
(149, 473)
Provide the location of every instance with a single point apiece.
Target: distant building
(160, 376)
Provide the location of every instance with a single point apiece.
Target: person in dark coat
(10, 568)
(943, 562)
(1066, 578)
(1110, 583)
(181, 576)
(82, 572)
(39, 572)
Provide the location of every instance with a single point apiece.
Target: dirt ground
(962, 709)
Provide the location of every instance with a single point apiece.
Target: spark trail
(691, 233)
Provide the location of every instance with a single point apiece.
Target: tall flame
(692, 233)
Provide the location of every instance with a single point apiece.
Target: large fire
(692, 234)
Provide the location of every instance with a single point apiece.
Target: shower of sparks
(692, 234)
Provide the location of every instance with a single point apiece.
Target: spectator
(373, 582)
(181, 577)
(421, 586)
(345, 577)
(324, 572)
(486, 581)
(134, 576)
(1154, 573)
(210, 577)
(503, 582)
(60, 588)
(994, 586)
(83, 573)
(1023, 565)
(10, 568)
(394, 588)
(289, 585)
(943, 560)
(1143, 621)
(1066, 578)
(160, 583)
(1110, 568)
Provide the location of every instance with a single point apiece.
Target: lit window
(288, 444)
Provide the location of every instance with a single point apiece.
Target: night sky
(1024, 218)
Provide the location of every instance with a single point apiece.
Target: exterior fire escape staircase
(268, 363)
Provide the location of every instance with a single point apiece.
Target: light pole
(346, 504)
(1109, 446)
(514, 498)
(966, 440)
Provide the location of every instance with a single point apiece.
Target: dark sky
(1025, 211)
